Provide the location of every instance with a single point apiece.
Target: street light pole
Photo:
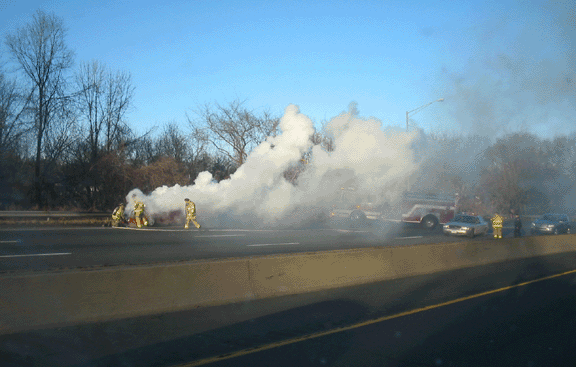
(416, 110)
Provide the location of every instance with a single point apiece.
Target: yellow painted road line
(261, 348)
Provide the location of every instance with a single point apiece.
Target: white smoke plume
(372, 159)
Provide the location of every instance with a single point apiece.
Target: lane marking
(408, 238)
(51, 254)
(248, 230)
(223, 235)
(350, 231)
(9, 241)
(193, 230)
(274, 244)
(152, 229)
(244, 352)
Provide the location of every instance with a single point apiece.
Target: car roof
(457, 216)
(554, 215)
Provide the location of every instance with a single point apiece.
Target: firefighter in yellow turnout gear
(190, 209)
(118, 215)
(497, 221)
(139, 213)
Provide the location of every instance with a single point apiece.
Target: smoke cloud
(367, 156)
(521, 75)
(525, 83)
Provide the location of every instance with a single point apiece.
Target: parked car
(551, 224)
(466, 225)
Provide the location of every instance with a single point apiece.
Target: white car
(466, 225)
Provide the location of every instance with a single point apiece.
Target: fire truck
(428, 210)
(355, 207)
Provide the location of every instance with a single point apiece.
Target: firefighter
(190, 209)
(118, 215)
(139, 212)
(517, 226)
(497, 225)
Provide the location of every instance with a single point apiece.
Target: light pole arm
(416, 110)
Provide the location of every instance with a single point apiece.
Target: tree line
(66, 141)
(517, 173)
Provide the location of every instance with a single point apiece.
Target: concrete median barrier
(70, 297)
(297, 273)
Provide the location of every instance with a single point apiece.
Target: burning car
(174, 217)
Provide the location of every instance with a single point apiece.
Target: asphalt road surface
(41, 249)
(516, 313)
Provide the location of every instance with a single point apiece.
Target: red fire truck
(428, 210)
(355, 207)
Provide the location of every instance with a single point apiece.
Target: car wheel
(471, 233)
(429, 222)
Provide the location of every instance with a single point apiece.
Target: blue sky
(501, 66)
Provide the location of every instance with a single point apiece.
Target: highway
(512, 313)
(41, 249)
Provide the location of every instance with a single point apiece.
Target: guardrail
(15, 213)
(25, 218)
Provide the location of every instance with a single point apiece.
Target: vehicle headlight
(533, 224)
(549, 225)
(465, 228)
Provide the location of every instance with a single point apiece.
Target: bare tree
(103, 99)
(119, 96)
(142, 152)
(90, 81)
(12, 108)
(234, 131)
(200, 158)
(172, 143)
(40, 51)
(12, 134)
(518, 163)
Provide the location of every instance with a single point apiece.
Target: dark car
(551, 224)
